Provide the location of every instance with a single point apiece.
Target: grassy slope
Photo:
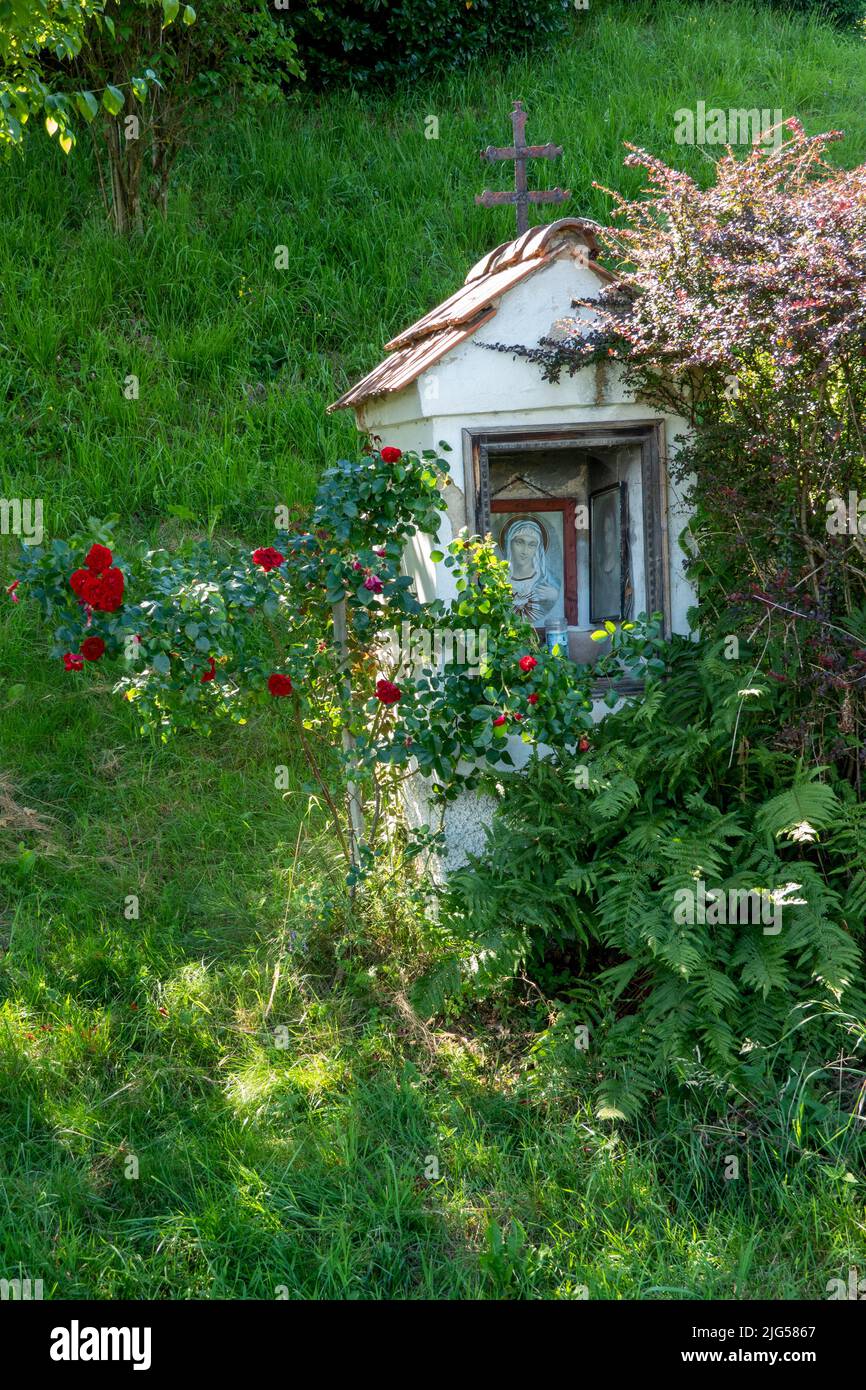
(303, 1166)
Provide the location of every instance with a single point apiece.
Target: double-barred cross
(520, 152)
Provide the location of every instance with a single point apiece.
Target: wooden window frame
(480, 444)
(566, 506)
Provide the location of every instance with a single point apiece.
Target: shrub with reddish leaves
(742, 307)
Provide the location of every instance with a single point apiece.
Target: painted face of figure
(535, 590)
(524, 554)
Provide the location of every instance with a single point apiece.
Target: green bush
(368, 40)
(591, 863)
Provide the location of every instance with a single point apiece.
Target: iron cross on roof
(520, 152)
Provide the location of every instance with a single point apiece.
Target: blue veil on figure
(536, 594)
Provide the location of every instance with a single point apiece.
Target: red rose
(98, 558)
(107, 592)
(103, 591)
(532, 699)
(210, 672)
(279, 685)
(82, 584)
(268, 558)
(391, 455)
(387, 692)
(527, 663)
(584, 745)
(73, 661)
(499, 720)
(92, 648)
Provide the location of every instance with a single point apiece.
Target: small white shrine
(570, 477)
(579, 458)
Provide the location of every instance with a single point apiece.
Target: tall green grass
(305, 1167)
(237, 360)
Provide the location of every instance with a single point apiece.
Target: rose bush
(211, 630)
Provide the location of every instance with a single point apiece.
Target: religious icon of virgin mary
(535, 590)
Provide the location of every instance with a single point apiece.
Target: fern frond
(806, 803)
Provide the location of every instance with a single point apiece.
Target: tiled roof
(416, 349)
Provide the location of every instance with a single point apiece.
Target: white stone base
(465, 821)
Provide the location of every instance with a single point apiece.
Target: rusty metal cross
(520, 152)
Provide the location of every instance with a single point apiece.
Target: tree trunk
(125, 162)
